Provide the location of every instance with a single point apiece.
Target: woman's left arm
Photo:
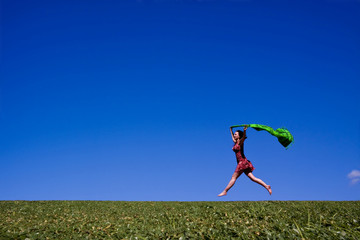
(244, 134)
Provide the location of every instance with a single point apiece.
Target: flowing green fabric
(283, 135)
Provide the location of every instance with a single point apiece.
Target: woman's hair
(241, 133)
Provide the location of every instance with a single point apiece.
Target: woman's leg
(259, 181)
(235, 176)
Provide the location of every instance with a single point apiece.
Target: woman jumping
(243, 165)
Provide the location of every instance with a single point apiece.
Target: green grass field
(179, 220)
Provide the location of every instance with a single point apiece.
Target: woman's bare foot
(222, 194)
(269, 189)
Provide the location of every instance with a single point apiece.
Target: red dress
(243, 165)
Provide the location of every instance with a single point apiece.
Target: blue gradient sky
(132, 100)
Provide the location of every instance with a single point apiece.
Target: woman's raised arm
(244, 134)
(232, 134)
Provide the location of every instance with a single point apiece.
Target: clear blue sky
(132, 100)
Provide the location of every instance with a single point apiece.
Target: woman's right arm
(232, 135)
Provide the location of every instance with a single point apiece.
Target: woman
(243, 165)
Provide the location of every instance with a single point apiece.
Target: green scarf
(283, 135)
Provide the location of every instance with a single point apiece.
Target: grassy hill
(179, 220)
